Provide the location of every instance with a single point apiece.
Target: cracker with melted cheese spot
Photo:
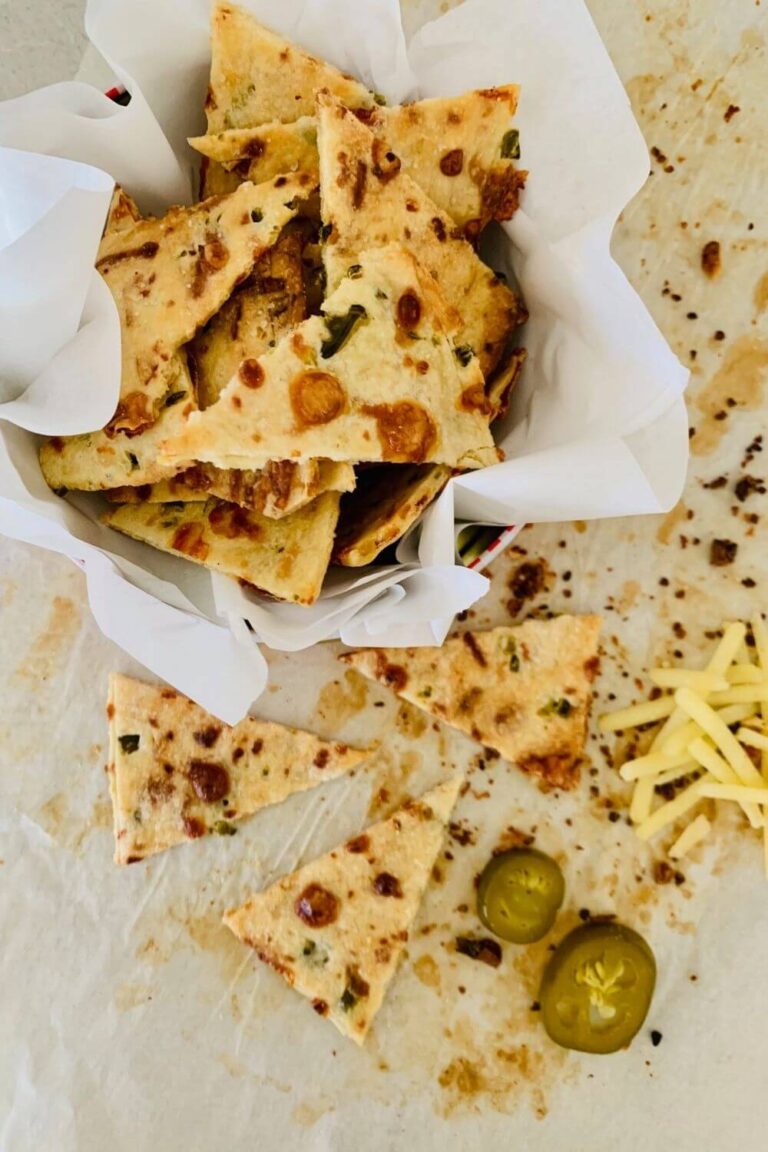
(336, 929)
(368, 200)
(285, 558)
(524, 691)
(95, 461)
(267, 150)
(169, 276)
(376, 377)
(257, 76)
(458, 149)
(176, 773)
(388, 500)
(272, 301)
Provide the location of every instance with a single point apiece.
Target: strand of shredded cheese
(674, 809)
(709, 758)
(721, 736)
(674, 774)
(728, 648)
(742, 793)
(691, 835)
(637, 714)
(745, 674)
(740, 694)
(642, 801)
(651, 765)
(760, 636)
(684, 678)
(754, 739)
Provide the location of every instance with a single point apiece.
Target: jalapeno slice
(597, 988)
(519, 894)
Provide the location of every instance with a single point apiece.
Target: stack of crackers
(311, 351)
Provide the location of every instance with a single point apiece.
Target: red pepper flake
(710, 259)
(487, 951)
(722, 552)
(386, 884)
(747, 485)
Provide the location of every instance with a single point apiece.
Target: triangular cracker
(386, 501)
(99, 460)
(216, 180)
(335, 929)
(524, 691)
(285, 558)
(257, 76)
(123, 212)
(169, 276)
(277, 490)
(177, 773)
(389, 499)
(367, 200)
(268, 149)
(375, 378)
(269, 303)
(459, 150)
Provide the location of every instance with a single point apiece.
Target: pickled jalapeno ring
(519, 894)
(597, 988)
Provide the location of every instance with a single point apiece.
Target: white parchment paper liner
(597, 426)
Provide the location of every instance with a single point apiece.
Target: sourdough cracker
(176, 773)
(257, 76)
(95, 461)
(315, 395)
(285, 558)
(169, 276)
(389, 499)
(368, 200)
(524, 691)
(335, 929)
(460, 150)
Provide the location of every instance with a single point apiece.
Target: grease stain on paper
(390, 784)
(410, 721)
(129, 996)
(670, 522)
(339, 701)
(210, 934)
(427, 972)
(741, 380)
(761, 294)
(53, 642)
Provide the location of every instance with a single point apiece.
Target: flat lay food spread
(310, 351)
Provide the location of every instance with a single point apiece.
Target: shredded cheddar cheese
(692, 835)
(684, 678)
(715, 722)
